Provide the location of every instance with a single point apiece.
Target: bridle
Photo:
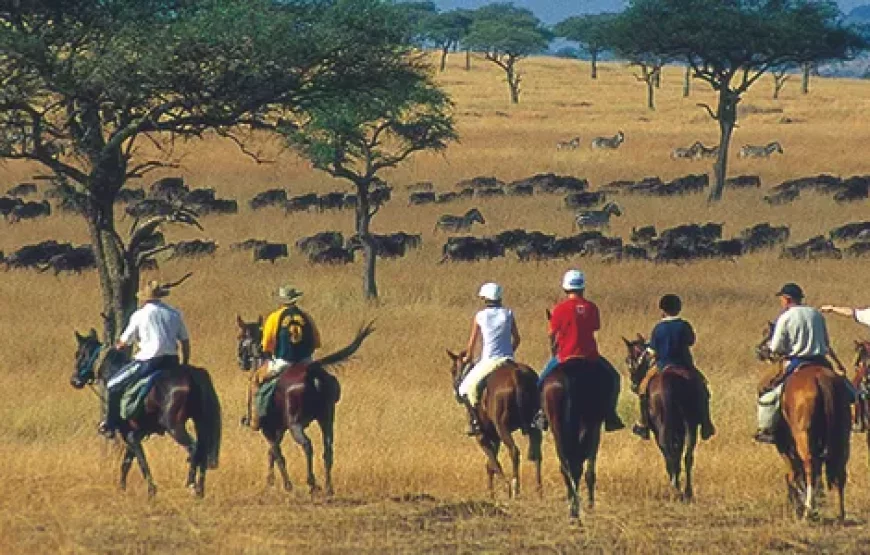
(250, 353)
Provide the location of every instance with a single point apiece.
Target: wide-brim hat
(152, 290)
(287, 294)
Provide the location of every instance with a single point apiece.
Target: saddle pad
(134, 395)
(263, 398)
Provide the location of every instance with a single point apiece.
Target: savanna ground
(407, 479)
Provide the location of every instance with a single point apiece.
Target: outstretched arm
(841, 310)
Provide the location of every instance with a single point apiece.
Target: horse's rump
(587, 388)
(513, 384)
(815, 402)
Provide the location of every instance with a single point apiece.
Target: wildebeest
(330, 201)
(571, 144)
(785, 196)
(270, 252)
(854, 188)
(743, 182)
(814, 248)
(22, 190)
(248, 245)
(422, 197)
(217, 206)
(331, 255)
(750, 151)
(320, 241)
(763, 236)
(489, 192)
(849, 231)
(551, 183)
(7, 204)
(643, 234)
(686, 153)
(610, 143)
(597, 218)
(380, 195)
(75, 260)
(169, 189)
(150, 207)
(520, 190)
(480, 182)
(420, 186)
(32, 256)
(271, 197)
(459, 223)
(584, 199)
(385, 246)
(861, 248)
(301, 203)
(469, 249)
(198, 196)
(29, 211)
(127, 196)
(822, 183)
(193, 249)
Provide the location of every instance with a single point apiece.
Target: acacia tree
(84, 84)
(507, 34)
(748, 39)
(590, 31)
(356, 138)
(447, 30)
(415, 18)
(780, 75)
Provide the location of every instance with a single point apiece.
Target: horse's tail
(345, 353)
(208, 422)
(827, 392)
(675, 418)
(528, 403)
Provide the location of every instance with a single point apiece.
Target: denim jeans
(552, 363)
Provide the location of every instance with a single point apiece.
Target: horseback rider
(496, 329)
(859, 392)
(572, 328)
(670, 344)
(290, 337)
(157, 328)
(801, 337)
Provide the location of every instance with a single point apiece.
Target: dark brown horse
(674, 412)
(861, 383)
(576, 397)
(814, 432)
(300, 400)
(508, 402)
(250, 351)
(178, 395)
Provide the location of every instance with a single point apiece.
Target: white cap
(574, 280)
(490, 291)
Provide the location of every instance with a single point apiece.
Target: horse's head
(250, 339)
(762, 350)
(460, 364)
(637, 358)
(88, 349)
(862, 354)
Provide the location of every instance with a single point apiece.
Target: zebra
(706, 152)
(610, 143)
(750, 151)
(459, 223)
(573, 144)
(597, 218)
(690, 153)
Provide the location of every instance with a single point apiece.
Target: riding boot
(707, 427)
(473, 423)
(641, 429)
(113, 416)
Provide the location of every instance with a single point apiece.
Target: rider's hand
(826, 308)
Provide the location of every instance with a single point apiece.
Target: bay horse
(814, 432)
(297, 402)
(674, 412)
(177, 395)
(575, 397)
(861, 383)
(508, 402)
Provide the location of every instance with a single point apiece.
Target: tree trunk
(513, 80)
(467, 59)
(444, 51)
(657, 77)
(363, 219)
(727, 116)
(778, 84)
(805, 79)
(687, 81)
(594, 55)
(649, 78)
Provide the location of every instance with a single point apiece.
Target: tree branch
(713, 115)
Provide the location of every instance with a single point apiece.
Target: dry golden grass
(407, 480)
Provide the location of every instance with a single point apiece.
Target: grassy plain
(407, 480)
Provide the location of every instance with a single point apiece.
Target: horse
(861, 383)
(178, 395)
(814, 431)
(575, 397)
(674, 414)
(298, 402)
(509, 402)
(250, 351)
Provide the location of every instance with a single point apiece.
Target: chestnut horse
(509, 402)
(179, 394)
(576, 395)
(674, 412)
(861, 382)
(297, 402)
(814, 431)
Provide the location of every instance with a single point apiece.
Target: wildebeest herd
(592, 213)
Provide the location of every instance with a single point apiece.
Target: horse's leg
(327, 430)
(126, 463)
(180, 435)
(490, 448)
(591, 468)
(277, 457)
(514, 452)
(535, 455)
(299, 436)
(689, 460)
(803, 451)
(136, 445)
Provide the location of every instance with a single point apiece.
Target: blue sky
(551, 11)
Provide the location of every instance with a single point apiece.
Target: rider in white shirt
(157, 328)
(496, 326)
(860, 315)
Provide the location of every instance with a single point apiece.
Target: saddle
(132, 401)
(265, 395)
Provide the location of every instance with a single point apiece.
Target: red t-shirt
(574, 323)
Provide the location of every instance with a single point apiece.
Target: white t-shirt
(800, 331)
(862, 316)
(157, 328)
(495, 324)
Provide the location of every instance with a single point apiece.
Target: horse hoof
(152, 492)
(329, 492)
(288, 487)
(270, 481)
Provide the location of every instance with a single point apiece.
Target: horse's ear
(239, 321)
(260, 320)
(549, 314)
(640, 338)
(627, 342)
(92, 334)
(79, 337)
(451, 354)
